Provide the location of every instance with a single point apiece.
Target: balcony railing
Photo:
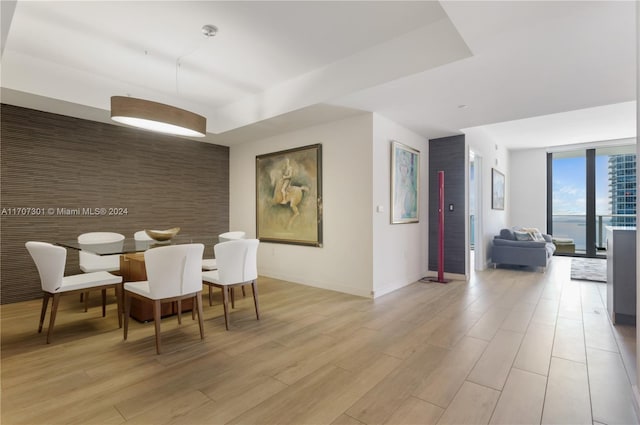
(574, 227)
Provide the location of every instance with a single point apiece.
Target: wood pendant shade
(156, 116)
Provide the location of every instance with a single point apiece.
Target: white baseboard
(332, 286)
(389, 289)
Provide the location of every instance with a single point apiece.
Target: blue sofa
(506, 249)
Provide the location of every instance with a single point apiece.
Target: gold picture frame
(289, 196)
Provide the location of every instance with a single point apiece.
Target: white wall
(493, 156)
(344, 263)
(400, 251)
(528, 189)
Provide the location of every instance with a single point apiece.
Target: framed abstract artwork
(497, 190)
(289, 196)
(405, 179)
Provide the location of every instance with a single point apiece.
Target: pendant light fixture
(160, 117)
(156, 116)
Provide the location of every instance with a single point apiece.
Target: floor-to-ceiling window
(591, 189)
(570, 197)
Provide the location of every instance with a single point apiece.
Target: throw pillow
(507, 234)
(537, 236)
(523, 236)
(535, 233)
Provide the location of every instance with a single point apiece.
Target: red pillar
(441, 227)
(440, 278)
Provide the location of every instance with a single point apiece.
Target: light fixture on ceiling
(209, 30)
(160, 117)
(156, 116)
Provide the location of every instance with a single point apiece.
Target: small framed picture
(497, 190)
(405, 179)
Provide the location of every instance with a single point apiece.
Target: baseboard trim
(389, 289)
(344, 288)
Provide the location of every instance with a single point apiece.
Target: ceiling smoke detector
(209, 30)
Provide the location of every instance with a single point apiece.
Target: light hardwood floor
(507, 347)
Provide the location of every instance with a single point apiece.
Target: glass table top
(130, 245)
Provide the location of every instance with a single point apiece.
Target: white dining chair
(142, 240)
(141, 235)
(90, 262)
(211, 263)
(237, 266)
(231, 236)
(173, 274)
(50, 261)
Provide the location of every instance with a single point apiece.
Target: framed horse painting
(289, 196)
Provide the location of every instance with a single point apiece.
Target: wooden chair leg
(200, 319)
(81, 296)
(127, 312)
(210, 295)
(193, 310)
(243, 293)
(254, 288)
(86, 301)
(52, 319)
(45, 303)
(104, 302)
(225, 305)
(119, 303)
(179, 312)
(233, 297)
(157, 307)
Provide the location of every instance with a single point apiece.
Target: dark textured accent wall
(448, 154)
(54, 161)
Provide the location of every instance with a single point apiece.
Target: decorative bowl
(162, 235)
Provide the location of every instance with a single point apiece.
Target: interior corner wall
(448, 154)
(400, 251)
(345, 262)
(528, 188)
(493, 156)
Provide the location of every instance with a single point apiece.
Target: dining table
(132, 266)
(131, 245)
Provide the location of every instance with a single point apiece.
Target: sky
(569, 186)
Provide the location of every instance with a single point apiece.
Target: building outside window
(622, 189)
